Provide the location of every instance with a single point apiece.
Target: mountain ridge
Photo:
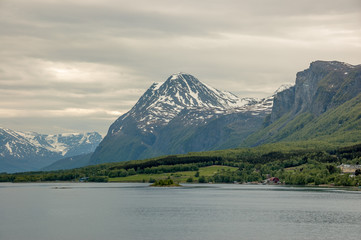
(163, 101)
(184, 115)
(321, 93)
(179, 107)
(200, 125)
(24, 151)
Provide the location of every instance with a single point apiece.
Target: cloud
(84, 59)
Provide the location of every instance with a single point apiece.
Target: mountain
(184, 115)
(77, 161)
(181, 115)
(27, 151)
(324, 105)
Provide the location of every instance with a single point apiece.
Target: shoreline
(323, 186)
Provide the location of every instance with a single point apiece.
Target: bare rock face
(283, 103)
(323, 86)
(323, 106)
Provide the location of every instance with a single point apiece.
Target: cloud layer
(77, 65)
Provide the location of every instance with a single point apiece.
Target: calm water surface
(125, 211)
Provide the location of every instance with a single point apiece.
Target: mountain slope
(180, 115)
(324, 105)
(69, 162)
(25, 151)
(164, 101)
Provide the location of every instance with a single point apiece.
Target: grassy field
(177, 177)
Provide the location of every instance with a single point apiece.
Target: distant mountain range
(184, 115)
(26, 151)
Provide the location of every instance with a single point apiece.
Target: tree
(202, 179)
(190, 180)
(131, 171)
(331, 169)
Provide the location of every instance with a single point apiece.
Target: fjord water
(136, 211)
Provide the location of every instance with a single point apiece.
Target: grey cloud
(100, 56)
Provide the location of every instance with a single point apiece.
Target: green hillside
(337, 127)
(297, 164)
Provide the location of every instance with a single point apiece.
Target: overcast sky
(75, 66)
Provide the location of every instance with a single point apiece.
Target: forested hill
(298, 164)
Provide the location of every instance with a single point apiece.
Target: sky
(76, 66)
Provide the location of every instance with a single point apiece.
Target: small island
(165, 183)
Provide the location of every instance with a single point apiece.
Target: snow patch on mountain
(164, 101)
(8, 147)
(17, 142)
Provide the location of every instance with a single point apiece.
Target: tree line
(298, 167)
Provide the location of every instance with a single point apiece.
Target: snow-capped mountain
(179, 108)
(23, 151)
(162, 102)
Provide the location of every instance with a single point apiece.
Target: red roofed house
(273, 180)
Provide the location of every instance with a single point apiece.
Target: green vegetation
(291, 163)
(165, 183)
(340, 126)
(182, 176)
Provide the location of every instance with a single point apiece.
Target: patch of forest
(296, 166)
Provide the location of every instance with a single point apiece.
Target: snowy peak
(17, 144)
(64, 143)
(29, 151)
(162, 102)
(187, 91)
(155, 86)
(179, 115)
(183, 90)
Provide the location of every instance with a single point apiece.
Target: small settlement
(348, 168)
(272, 180)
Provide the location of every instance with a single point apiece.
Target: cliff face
(308, 109)
(283, 103)
(323, 86)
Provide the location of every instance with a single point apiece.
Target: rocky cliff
(319, 91)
